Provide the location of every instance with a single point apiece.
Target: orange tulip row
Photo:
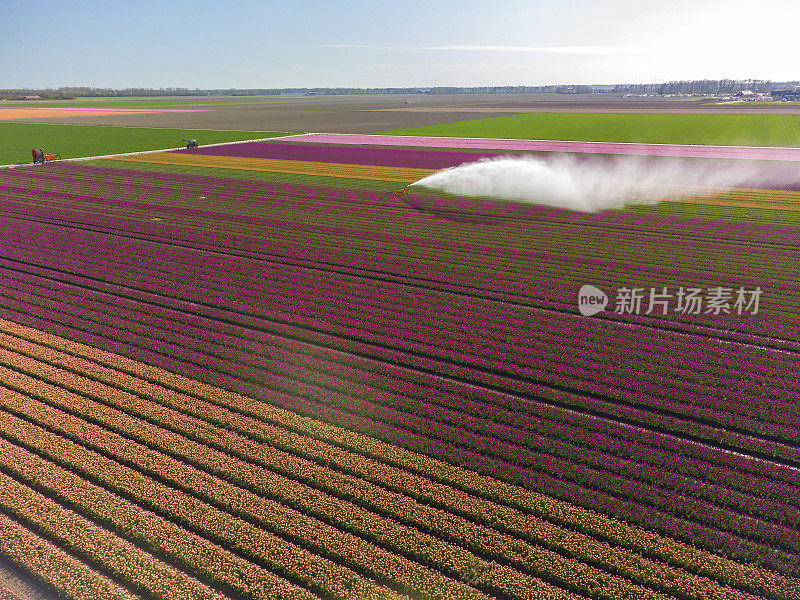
(54, 567)
(570, 542)
(124, 560)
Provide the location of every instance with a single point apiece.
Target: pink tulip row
(677, 150)
(125, 561)
(687, 585)
(54, 567)
(390, 478)
(320, 574)
(278, 462)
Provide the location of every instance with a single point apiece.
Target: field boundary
(77, 158)
(729, 152)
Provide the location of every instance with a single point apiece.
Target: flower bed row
(450, 498)
(371, 424)
(54, 567)
(553, 566)
(459, 434)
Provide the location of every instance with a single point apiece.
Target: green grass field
(721, 129)
(70, 141)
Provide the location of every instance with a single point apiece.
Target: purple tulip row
(389, 157)
(556, 258)
(100, 274)
(372, 375)
(688, 227)
(189, 281)
(200, 268)
(110, 275)
(723, 239)
(461, 278)
(497, 469)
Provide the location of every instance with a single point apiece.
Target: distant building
(788, 95)
(746, 95)
(31, 97)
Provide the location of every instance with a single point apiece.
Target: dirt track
(369, 114)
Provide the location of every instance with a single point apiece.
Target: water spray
(588, 185)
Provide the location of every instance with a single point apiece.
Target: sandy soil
(21, 585)
(369, 114)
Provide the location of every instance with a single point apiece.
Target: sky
(378, 43)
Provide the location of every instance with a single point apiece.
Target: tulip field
(266, 370)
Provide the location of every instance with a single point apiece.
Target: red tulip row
(54, 567)
(620, 562)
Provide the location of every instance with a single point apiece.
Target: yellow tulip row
(52, 565)
(573, 543)
(123, 559)
(297, 167)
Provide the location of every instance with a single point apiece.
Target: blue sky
(405, 43)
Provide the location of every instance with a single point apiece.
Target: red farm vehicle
(40, 157)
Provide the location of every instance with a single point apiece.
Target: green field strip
(714, 129)
(72, 141)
